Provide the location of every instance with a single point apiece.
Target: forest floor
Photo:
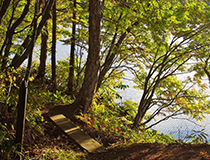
(136, 150)
(54, 137)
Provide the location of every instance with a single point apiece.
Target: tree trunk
(43, 55)
(72, 54)
(53, 62)
(22, 102)
(89, 85)
(4, 8)
(140, 115)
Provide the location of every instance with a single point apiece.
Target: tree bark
(43, 55)
(89, 85)
(72, 54)
(53, 62)
(140, 114)
(4, 8)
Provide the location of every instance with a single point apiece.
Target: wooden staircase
(80, 137)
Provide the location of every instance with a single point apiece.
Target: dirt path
(145, 151)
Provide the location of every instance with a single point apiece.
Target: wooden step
(84, 140)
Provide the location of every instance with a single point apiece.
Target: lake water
(179, 128)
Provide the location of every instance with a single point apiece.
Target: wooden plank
(84, 140)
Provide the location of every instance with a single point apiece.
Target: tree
(162, 61)
(72, 53)
(43, 54)
(22, 102)
(89, 85)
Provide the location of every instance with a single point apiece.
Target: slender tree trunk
(43, 55)
(22, 102)
(140, 115)
(3, 8)
(54, 49)
(72, 54)
(44, 46)
(89, 85)
(141, 109)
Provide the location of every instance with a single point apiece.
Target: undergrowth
(105, 114)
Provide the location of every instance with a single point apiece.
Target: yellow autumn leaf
(10, 78)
